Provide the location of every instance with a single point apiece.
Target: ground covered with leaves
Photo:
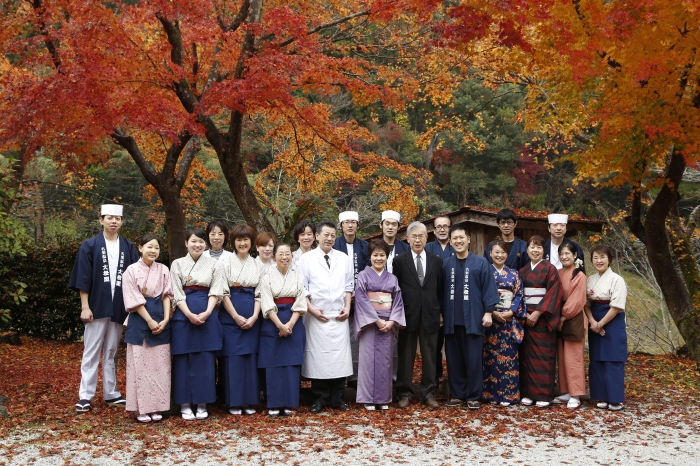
(661, 423)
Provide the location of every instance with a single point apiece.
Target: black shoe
(316, 408)
(118, 401)
(82, 406)
(342, 407)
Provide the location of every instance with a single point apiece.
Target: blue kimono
(478, 289)
(517, 256)
(91, 273)
(436, 248)
(360, 257)
(579, 251)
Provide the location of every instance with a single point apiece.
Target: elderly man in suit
(420, 278)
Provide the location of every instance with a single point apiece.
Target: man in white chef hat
(97, 276)
(557, 230)
(390, 227)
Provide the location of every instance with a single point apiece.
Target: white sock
(575, 398)
(185, 408)
(201, 407)
(564, 397)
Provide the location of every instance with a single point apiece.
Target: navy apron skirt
(138, 329)
(238, 373)
(608, 355)
(194, 350)
(282, 357)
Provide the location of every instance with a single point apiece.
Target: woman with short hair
(304, 235)
(607, 335)
(265, 244)
(217, 239)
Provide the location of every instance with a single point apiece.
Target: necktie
(419, 269)
(328, 260)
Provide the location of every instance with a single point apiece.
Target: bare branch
(330, 24)
(129, 143)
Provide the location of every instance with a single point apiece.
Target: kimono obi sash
(380, 300)
(195, 287)
(239, 342)
(613, 346)
(190, 338)
(601, 301)
(277, 351)
(138, 329)
(287, 300)
(534, 296)
(506, 299)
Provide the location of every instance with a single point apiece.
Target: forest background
(272, 112)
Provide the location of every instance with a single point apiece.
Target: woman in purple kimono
(379, 315)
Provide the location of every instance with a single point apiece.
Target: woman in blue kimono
(607, 335)
(238, 314)
(501, 340)
(282, 336)
(196, 334)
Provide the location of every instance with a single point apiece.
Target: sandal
(156, 417)
(186, 412)
(144, 418)
(616, 406)
(370, 407)
(504, 404)
(202, 411)
(383, 407)
(561, 399)
(526, 402)
(602, 405)
(573, 403)
(543, 404)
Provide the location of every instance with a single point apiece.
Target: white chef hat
(558, 218)
(112, 209)
(391, 215)
(348, 215)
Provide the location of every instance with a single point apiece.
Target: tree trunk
(237, 179)
(676, 292)
(17, 166)
(174, 220)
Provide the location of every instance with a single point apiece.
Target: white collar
(532, 266)
(422, 255)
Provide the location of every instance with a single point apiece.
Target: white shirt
(423, 258)
(607, 287)
(224, 254)
(390, 259)
(112, 261)
(554, 256)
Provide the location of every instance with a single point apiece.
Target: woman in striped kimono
(538, 351)
(196, 332)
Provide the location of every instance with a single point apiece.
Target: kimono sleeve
(577, 297)
(365, 314)
(489, 297)
(517, 306)
(267, 302)
(81, 275)
(218, 282)
(618, 292)
(133, 297)
(300, 304)
(167, 285)
(398, 314)
(550, 305)
(178, 293)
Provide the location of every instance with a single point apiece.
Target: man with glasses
(517, 248)
(390, 227)
(557, 230)
(420, 278)
(442, 248)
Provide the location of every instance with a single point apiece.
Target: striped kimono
(538, 351)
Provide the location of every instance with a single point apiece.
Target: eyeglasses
(507, 223)
(442, 227)
(415, 237)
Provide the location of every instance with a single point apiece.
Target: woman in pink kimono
(147, 294)
(379, 315)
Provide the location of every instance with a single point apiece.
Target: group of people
(221, 325)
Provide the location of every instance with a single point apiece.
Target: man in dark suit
(420, 277)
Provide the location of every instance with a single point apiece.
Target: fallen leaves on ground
(41, 379)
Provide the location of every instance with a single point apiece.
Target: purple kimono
(374, 365)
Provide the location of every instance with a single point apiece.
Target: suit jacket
(421, 303)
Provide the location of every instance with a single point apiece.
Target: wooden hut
(482, 226)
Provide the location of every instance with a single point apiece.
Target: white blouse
(247, 272)
(204, 272)
(275, 285)
(607, 287)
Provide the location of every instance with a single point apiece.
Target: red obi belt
(289, 300)
(196, 287)
(601, 301)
